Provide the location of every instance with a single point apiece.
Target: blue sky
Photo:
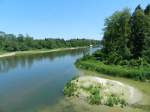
(60, 18)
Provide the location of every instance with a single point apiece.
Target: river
(32, 81)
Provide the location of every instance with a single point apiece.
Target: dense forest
(125, 46)
(126, 38)
(10, 42)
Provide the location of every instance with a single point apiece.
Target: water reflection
(9, 63)
(31, 81)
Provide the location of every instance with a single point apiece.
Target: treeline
(10, 42)
(125, 46)
(126, 38)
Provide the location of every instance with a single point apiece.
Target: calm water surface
(33, 81)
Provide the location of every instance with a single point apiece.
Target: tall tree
(138, 22)
(146, 51)
(116, 34)
(147, 10)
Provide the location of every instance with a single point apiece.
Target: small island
(99, 91)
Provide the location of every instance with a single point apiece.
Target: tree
(146, 51)
(126, 37)
(9, 42)
(116, 34)
(147, 10)
(138, 35)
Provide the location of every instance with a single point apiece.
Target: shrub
(137, 73)
(124, 62)
(134, 62)
(86, 57)
(110, 101)
(114, 58)
(123, 103)
(70, 89)
(115, 100)
(94, 97)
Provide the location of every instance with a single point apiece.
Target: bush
(137, 73)
(94, 97)
(99, 55)
(123, 103)
(115, 100)
(70, 89)
(110, 101)
(124, 62)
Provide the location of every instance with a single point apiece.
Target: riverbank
(124, 75)
(40, 51)
(78, 105)
(140, 74)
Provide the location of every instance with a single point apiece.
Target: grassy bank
(142, 74)
(17, 53)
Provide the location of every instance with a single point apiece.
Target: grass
(142, 74)
(70, 89)
(95, 97)
(115, 100)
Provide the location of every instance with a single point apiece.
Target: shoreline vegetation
(39, 51)
(125, 53)
(11, 45)
(125, 46)
(136, 73)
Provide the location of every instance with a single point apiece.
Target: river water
(30, 82)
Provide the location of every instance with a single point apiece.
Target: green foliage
(70, 89)
(10, 42)
(124, 63)
(110, 101)
(94, 97)
(138, 35)
(115, 100)
(137, 73)
(126, 38)
(116, 34)
(123, 103)
(147, 10)
(86, 57)
(114, 58)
